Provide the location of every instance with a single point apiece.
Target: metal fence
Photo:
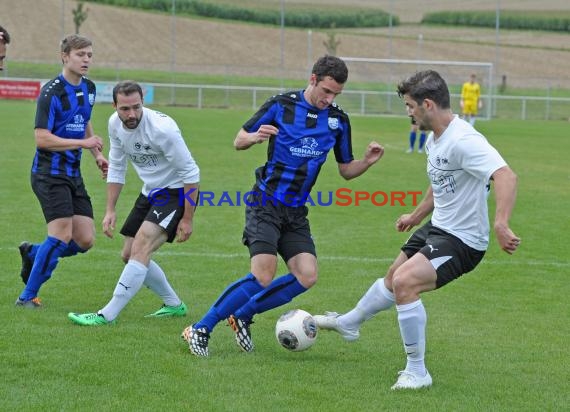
(362, 102)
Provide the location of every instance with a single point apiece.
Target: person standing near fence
(4, 41)
(413, 137)
(471, 99)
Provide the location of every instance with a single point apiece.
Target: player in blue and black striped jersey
(300, 128)
(62, 129)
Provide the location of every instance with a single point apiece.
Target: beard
(131, 123)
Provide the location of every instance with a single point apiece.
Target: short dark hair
(426, 84)
(331, 66)
(74, 42)
(5, 35)
(126, 87)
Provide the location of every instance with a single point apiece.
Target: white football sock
(156, 281)
(376, 299)
(412, 318)
(129, 284)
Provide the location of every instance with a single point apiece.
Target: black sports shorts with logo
(61, 196)
(164, 208)
(450, 257)
(271, 228)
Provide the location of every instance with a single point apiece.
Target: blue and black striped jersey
(63, 109)
(295, 155)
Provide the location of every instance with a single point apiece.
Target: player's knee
(86, 244)
(308, 278)
(264, 278)
(85, 239)
(401, 283)
(140, 251)
(304, 267)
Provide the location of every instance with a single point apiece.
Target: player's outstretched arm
(373, 153)
(244, 140)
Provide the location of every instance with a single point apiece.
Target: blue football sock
(72, 249)
(279, 292)
(422, 140)
(412, 139)
(231, 299)
(33, 251)
(45, 262)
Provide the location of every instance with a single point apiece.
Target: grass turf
(496, 337)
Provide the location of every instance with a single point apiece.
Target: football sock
(412, 319)
(72, 249)
(129, 284)
(34, 251)
(282, 290)
(422, 140)
(45, 262)
(156, 281)
(232, 298)
(412, 139)
(376, 299)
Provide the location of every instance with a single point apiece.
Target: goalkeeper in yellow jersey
(470, 99)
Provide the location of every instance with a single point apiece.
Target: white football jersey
(156, 149)
(459, 165)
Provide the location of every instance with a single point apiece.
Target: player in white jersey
(460, 162)
(163, 211)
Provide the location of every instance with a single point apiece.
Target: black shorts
(61, 196)
(164, 209)
(450, 257)
(271, 228)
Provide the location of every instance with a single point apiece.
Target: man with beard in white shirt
(460, 163)
(163, 211)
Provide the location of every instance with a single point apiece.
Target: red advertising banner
(19, 89)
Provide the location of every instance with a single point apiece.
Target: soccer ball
(296, 330)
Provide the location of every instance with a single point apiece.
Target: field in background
(496, 338)
(370, 94)
(200, 46)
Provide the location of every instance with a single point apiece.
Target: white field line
(505, 262)
(212, 255)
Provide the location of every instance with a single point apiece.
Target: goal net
(372, 83)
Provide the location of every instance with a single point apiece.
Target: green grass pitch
(497, 338)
